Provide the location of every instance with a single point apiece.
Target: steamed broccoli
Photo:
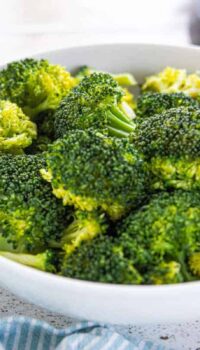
(30, 216)
(84, 226)
(16, 130)
(174, 80)
(90, 171)
(171, 143)
(46, 261)
(123, 79)
(158, 243)
(35, 85)
(100, 260)
(151, 103)
(161, 236)
(95, 103)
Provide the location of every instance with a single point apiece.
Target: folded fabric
(20, 333)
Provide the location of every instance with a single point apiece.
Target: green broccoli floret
(30, 216)
(99, 260)
(123, 79)
(84, 226)
(35, 85)
(158, 244)
(95, 103)
(171, 143)
(161, 236)
(90, 171)
(46, 261)
(16, 130)
(151, 103)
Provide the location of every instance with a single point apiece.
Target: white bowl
(117, 304)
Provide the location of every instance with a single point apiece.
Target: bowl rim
(62, 280)
(188, 47)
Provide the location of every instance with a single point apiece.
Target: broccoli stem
(118, 124)
(117, 133)
(37, 261)
(119, 114)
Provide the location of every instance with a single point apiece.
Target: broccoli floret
(16, 130)
(30, 216)
(99, 260)
(161, 236)
(174, 80)
(84, 226)
(156, 244)
(46, 261)
(95, 103)
(171, 143)
(90, 171)
(35, 85)
(123, 79)
(149, 103)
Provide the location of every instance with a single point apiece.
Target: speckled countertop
(184, 336)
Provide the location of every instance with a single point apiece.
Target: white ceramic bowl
(95, 301)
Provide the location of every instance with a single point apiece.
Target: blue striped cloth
(20, 333)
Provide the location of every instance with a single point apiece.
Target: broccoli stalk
(119, 122)
(43, 261)
(84, 227)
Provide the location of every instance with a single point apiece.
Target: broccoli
(123, 79)
(171, 143)
(174, 80)
(158, 243)
(16, 130)
(83, 227)
(30, 216)
(162, 235)
(35, 85)
(99, 260)
(95, 103)
(90, 171)
(151, 103)
(46, 261)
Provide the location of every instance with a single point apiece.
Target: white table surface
(96, 23)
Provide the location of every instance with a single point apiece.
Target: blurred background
(31, 26)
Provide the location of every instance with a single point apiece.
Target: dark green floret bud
(170, 141)
(30, 215)
(151, 103)
(101, 261)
